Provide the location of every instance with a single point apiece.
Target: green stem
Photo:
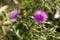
(17, 34)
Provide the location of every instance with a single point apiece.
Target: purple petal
(40, 16)
(14, 14)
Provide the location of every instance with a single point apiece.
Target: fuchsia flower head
(40, 16)
(14, 14)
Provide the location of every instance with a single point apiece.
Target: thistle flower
(14, 14)
(40, 16)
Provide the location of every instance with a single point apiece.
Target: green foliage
(25, 28)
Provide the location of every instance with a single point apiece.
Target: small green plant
(29, 20)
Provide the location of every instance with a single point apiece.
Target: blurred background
(24, 27)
